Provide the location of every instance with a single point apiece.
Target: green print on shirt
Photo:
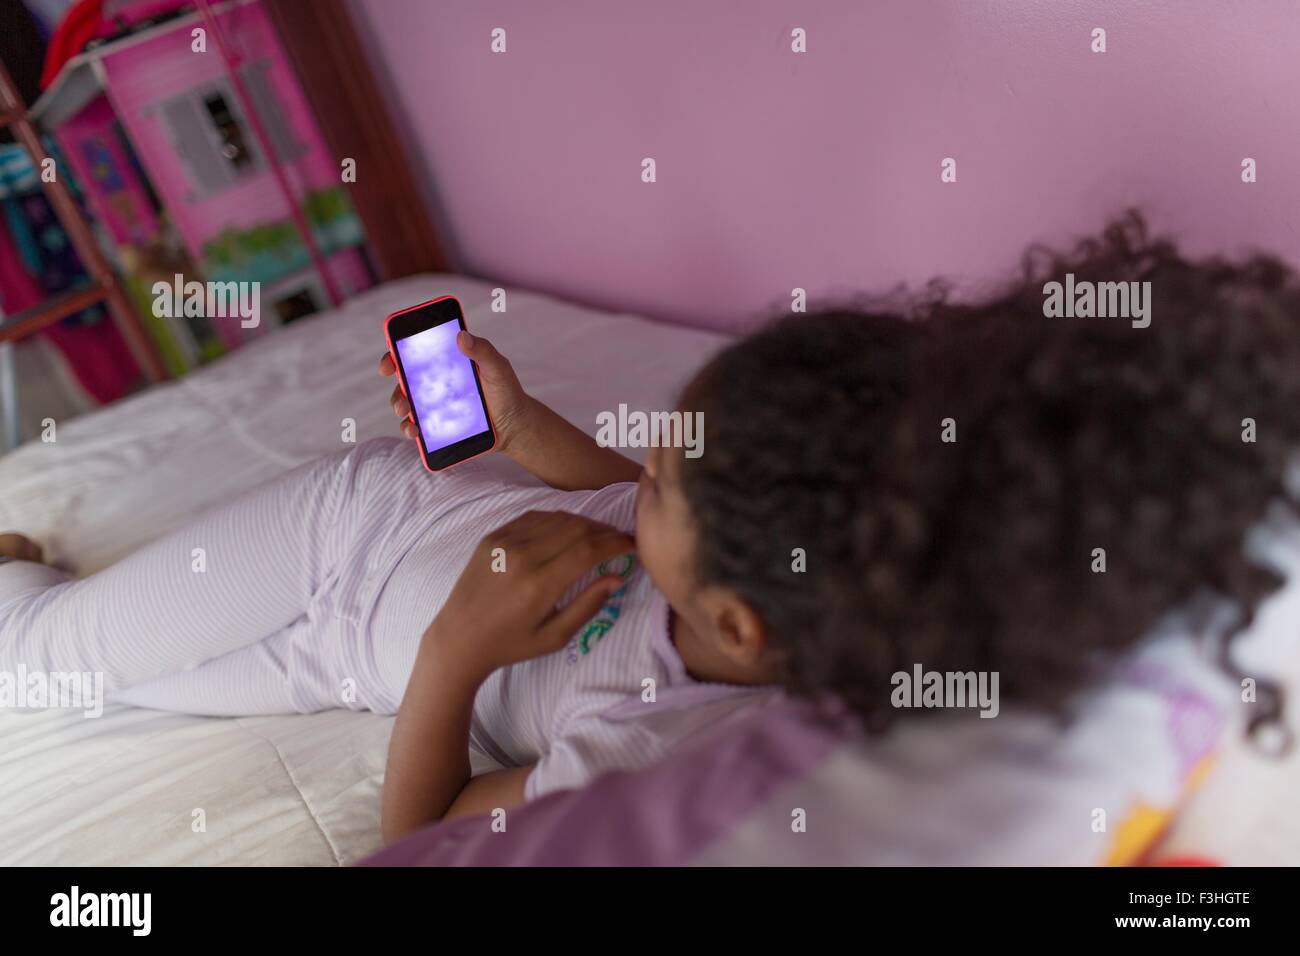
(606, 617)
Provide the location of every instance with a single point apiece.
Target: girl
(874, 493)
(317, 591)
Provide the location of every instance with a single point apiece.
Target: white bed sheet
(143, 787)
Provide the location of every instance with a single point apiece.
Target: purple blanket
(664, 815)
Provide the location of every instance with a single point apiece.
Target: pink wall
(821, 170)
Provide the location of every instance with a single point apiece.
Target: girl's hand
(495, 617)
(507, 401)
(15, 545)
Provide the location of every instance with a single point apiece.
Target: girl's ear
(739, 630)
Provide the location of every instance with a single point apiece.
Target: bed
(143, 787)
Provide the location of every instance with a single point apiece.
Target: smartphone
(440, 383)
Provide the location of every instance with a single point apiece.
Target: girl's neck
(681, 635)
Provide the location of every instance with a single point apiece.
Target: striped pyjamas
(312, 591)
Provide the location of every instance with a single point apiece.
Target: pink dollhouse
(153, 121)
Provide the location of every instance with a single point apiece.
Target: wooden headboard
(322, 43)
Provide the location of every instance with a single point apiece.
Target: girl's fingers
(563, 571)
(538, 529)
(386, 366)
(550, 533)
(402, 409)
(468, 344)
(482, 352)
(19, 546)
(556, 632)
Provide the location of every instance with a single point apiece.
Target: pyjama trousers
(236, 613)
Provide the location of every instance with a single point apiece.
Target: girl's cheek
(644, 517)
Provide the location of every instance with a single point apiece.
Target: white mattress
(128, 787)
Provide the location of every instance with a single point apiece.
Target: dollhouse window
(213, 138)
(231, 132)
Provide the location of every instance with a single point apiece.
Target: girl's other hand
(19, 546)
(507, 401)
(502, 610)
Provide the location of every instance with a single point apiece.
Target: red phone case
(401, 383)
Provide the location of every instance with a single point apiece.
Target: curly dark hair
(824, 433)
